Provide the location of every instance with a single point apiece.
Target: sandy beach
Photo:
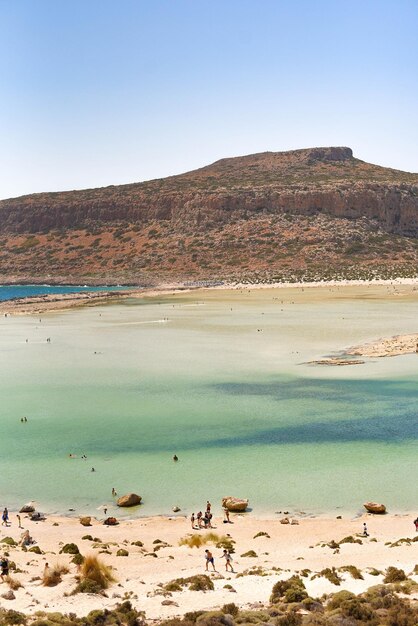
(62, 302)
(309, 545)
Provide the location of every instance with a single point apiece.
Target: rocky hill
(314, 212)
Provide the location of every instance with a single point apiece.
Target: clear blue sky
(99, 92)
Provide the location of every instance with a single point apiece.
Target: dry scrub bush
(394, 575)
(290, 590)
(52, 575)
(197, 541)
(199, 582)
(94, 576)
(13, 583)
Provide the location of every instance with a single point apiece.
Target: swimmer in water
(175, 458)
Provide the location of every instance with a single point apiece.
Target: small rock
(169, 603)
(284, 520)
(9, 595)
(176, 509)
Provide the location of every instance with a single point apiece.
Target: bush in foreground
(94, 576)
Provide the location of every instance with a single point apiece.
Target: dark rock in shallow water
(130, 499)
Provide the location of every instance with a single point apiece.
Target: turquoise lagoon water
(220, 379)
(7, 292)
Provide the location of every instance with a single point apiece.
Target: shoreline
(395, 345)
(155, 557)
(61, 302)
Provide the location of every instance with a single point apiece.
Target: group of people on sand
(202, 520)
(205, 520)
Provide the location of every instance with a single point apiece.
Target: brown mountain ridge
(310, 213)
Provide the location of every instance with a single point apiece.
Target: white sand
(291, 547)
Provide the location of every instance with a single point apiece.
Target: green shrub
(351, 539)
(11, 617)
(77, 559)
(329, 574)
(394, 575)
(282, 586)
(70, 548)
(9, 541)
(338, 598)
(358, 609)
(199, 582)
(122, 552)
(353, 570)
(250, 553)
(230, 609)
(290, 619)
(88, 586)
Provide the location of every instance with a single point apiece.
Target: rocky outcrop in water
(130, 499)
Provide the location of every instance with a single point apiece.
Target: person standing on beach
(5, 517)
(19, 521)
(226, 515)
(4, 565)
(209, 559)
(192, 521)
(228, 560)
(199, 519)
(208, 506)
(365, 532)
(416, 524)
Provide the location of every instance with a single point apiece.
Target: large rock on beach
(27, 508)
(234, 504)
(130, 499)
(374, 507)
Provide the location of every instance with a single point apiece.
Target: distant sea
(7, 292)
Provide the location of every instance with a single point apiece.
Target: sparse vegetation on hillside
(302, 215)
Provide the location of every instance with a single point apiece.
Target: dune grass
(53, 575)
(197, 541)
(13, 583)
(94, 576)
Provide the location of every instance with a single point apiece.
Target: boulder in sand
(130, 499)
(374, 507)
(9, 595)
(27, 508)
(85, 521)
(234, 504)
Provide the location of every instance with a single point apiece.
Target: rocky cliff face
(302, 182)
(249, 198)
